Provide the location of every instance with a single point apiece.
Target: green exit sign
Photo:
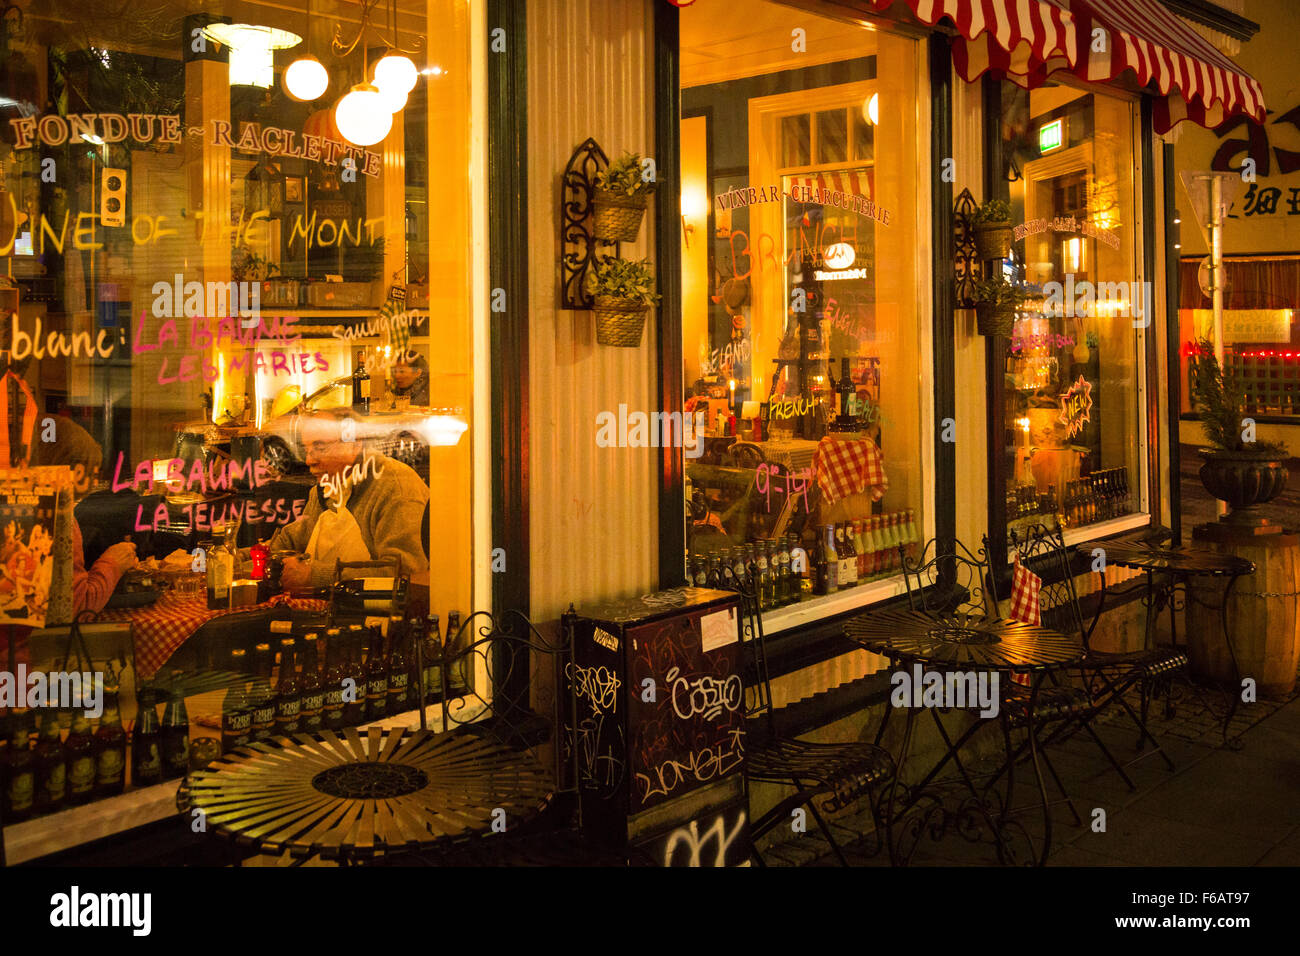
(1050, 136)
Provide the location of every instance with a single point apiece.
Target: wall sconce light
(871, 109)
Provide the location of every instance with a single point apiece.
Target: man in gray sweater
(386, 497)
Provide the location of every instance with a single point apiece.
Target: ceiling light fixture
(394, 77)
(252, 50)
(306, 78)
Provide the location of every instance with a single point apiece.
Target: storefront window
(218, 307)
(804, 292)
(1073, 385)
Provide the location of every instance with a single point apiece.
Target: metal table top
(348, 796)
(1174, 559)
(964, 641)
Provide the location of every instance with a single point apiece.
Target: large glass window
(804, 288)
(1072, 383)
(217, 289)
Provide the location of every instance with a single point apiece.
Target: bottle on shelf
(51, 768)
(830, 559)
(311, 713)
(19, 771)
(262, 696)
(80, 751)
(335, 672)
(399, 668)
(110, 751)
(361, 386)
(146, 744)
(376, 677)
(354, 710)
(236, 714)
(460, 676)
(433, 660)
(787, 589)
(220, 569)
(175, 736)
(848, 558)
(288, 692)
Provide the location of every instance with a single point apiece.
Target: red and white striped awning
(1195, 80)
(1028, 40)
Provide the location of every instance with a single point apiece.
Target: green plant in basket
(623, 279)
(992, 212)
(624, 176)
(999, 295)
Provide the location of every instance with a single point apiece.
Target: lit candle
(731, 384)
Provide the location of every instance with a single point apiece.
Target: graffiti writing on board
(702, 694)
(596, 685)
(792, 484)
(699, 766)
(600, 755)
(687, 846)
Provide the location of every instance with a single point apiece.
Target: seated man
(364, 506)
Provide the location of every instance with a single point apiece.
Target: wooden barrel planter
(1262, 614)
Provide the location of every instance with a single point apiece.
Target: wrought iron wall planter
(578, 242)
(968, 267)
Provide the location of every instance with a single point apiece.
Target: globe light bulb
(362, 116)
(394, 98)
(396, 72)
(306, 79)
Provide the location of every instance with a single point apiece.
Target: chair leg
(830, 838)
(1078, 821)
(1119, 768)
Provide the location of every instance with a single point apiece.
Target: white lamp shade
(394, 98)
(306, 79)
(396, 73)
(362, 116)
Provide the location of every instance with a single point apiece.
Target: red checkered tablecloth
(164, 626)
(847, 466)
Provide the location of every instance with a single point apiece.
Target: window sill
(831, 605)
(1104, 529)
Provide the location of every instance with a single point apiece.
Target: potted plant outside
(621, 195)
(996, 303)
(991, 223)
(1238, 470)
(623, 291)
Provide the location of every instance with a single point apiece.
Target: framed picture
(293, 189)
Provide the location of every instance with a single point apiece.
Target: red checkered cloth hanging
(1025, 604)
(847, 466)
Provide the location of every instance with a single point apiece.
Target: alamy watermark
(66, 690)
(946, 689)
(1105, 300)
(651, 430)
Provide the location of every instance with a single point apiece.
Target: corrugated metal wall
(594, 521)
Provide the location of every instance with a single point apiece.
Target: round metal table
(958, 642)
(347, 797)
(1178, 563)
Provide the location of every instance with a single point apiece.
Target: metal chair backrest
(758, 692)
(947, 578)
(1042, 550)
(523, 669)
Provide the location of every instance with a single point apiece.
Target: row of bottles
(90, 763)
(365, 674)
(854, 552)
(861, 550)
(1100, 496)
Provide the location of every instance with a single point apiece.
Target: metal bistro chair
(1041, 548)
(953, 581)
(1110, 675)
(523, 668)
(837, 774)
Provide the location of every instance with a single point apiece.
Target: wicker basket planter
(993, 240)
(990, 320)
(617, 215)
(619, 321)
